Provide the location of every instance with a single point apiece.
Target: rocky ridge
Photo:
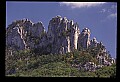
(63, 36)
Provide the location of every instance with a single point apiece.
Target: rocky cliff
(84, 38)
(63, 36)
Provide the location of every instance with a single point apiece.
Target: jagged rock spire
(84, 38)
(64, 34)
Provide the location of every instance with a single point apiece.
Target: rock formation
(84, 38)
(93, 42)
(63, 36)
(23, 34)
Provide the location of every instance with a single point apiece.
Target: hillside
(25, 63)
(62, 51)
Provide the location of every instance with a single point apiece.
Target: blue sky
(100, 18)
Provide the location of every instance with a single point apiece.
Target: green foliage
(52, 69)
(69, 30)
(25, 63)
(93, 51)
(80, 57)
(37, 41)
(107, 71)
(65, 33)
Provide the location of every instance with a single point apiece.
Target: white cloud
(81, 4)
(114, 10)
(113, 15)
(103, 10)
(106, 11)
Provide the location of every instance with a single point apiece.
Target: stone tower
(84, 38)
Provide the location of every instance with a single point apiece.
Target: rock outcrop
(93, 43)
(23, 34)
(84, 38)
(63, 36)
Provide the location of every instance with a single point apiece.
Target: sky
(99, 17)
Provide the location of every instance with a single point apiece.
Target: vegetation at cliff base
(25, 63)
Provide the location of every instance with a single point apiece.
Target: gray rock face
(63, 36)
(23, 34)
(84, 38)
(93, 43)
